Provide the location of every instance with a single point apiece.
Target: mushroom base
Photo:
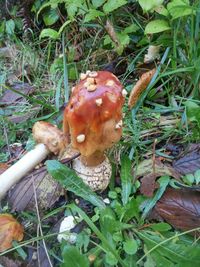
(96, 177)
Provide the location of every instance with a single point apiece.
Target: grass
(159, 118)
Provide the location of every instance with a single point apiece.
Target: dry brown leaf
(189, 162)
(111, 32)
(180, 208)
(139, 87)
(148, 184)
(10, 230)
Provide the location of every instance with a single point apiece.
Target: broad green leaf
(73, 258)
(161, 10)
(130, 246)
(147, 5)
(69, 179)
(93, 14)
(163, 181)
(50, 33)
(179, 8)
(50, 17)
(171, 252)
(189, 178)
(111, 5)
(161, 227)
(126, 179)
(10, 27)
(156, 26)
(98, 3)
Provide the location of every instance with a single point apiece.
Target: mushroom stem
(93, 160)
(13, 174)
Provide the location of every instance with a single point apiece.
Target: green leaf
(98, 3)
(161, 227)
(180, 8)
(132, 28)
(93, 14)
(172, 251)
(197, 177)
(156, 26)
(189, 178)
(126, 179)
(69, 179)
(148, 5)
(111, 5)
(50, 33)
(163, 181)
(162, 10)
(110, 259)
(73, 258)
(130, 246)
(63, 26)
(10, 27)
(50, 17)
(193, 111)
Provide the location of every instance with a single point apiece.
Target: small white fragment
(72, 89)
(88, 72)
(124, 93)
(54, 143)
(99, 101)
(152, 54)
(119, 125)
(80, 138)
(91, 87)
(110, 83)
(106, 200)
(83, 76)
(64, 232)
(93, 74)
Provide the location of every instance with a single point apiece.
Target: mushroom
(92, 123)
(93, 119)
(49, 139)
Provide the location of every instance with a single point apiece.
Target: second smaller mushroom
(93, 120)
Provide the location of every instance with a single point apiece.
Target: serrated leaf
(156, 26)
(148, 5)
(93, 14)
(73, 257)
(50, 33)
(69, 179)
(111, 5)
(126, 179)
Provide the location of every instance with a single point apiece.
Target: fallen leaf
(152, 54)
(22, 196)
(8, 262)
(180, 208)
(139, 87)
(111, 32)
(148, 184)
(12, 96)
(189, 162)
(10, 230)
(146, 167)
(3, 167)
(150, 171)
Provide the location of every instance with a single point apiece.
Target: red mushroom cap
(93, 115)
